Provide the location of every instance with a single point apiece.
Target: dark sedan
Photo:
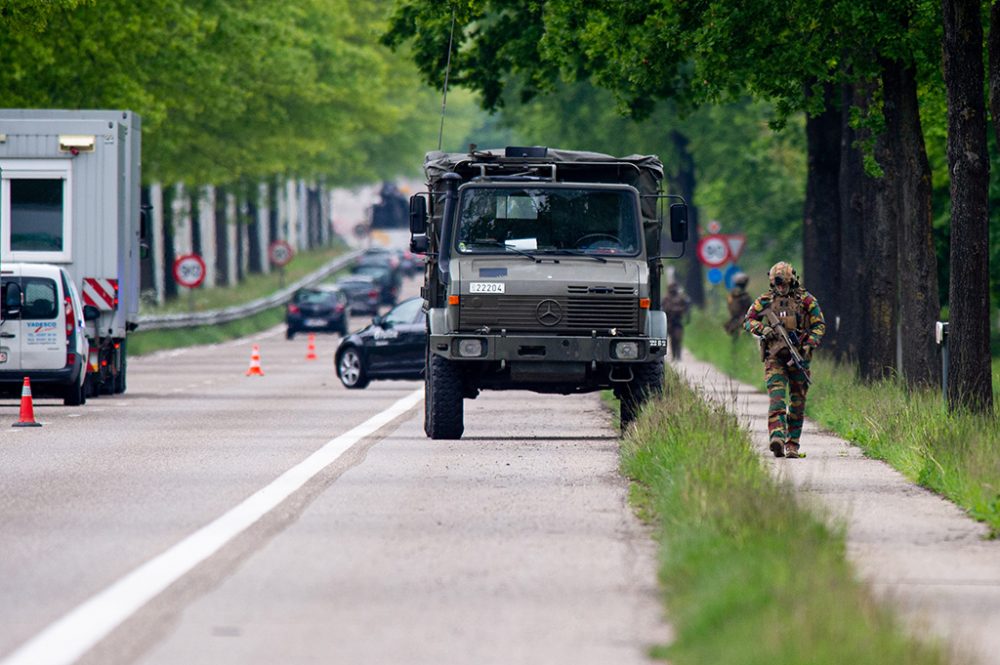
(389, 281)
(320, 308)
(392, 347)
(363, 293)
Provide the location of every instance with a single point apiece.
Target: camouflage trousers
(786, 388)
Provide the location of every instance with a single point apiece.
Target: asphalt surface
(914, 548)
(513, 544)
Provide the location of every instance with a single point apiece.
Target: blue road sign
(714, 275)
(730, 273)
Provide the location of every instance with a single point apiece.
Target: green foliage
(742, 563)
(954, 454)
(750, 178)
(227, 90)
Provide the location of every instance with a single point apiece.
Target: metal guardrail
(227, 314)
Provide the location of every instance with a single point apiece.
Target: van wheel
(443, 411)
(647, 381)
(74, 395)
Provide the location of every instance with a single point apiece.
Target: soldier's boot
(777, 447)
(792, 450)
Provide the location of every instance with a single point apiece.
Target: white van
(42, 334)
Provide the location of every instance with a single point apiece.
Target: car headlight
(470, 348)
(626, 350)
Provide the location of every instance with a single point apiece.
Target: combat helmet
(741, 279)
(782, 273)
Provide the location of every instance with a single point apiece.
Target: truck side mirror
(91, 313)
(418, 215)
(678, 222)
(11, 299)
(419, 244)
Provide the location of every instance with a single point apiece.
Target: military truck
(543, 273)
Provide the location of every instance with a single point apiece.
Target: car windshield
(315, 297)
(405, 312)
(543, 220)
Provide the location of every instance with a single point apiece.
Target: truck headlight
(626, 350)
(470, 348)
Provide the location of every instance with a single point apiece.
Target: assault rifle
(791, 341)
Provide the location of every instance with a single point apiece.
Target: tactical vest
(792, 314)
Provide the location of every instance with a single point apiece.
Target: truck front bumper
(548, 348)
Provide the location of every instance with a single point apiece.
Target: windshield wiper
(575, 252)
(494, 243)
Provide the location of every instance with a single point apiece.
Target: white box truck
(70, 197)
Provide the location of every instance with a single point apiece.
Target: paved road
(514, 544)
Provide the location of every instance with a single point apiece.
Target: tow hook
(618, 379)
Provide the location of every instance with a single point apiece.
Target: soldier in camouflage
(738, 301)
(802, 318)
(675, 305)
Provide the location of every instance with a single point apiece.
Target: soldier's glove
(807, 351)
(767, 332)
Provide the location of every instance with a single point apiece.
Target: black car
(363, 293)
(323, 308)
(392, 347)
(388, 280)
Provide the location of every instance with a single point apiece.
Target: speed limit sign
(713, 251)
(280, 252)
(189, 270)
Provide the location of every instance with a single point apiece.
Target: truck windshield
(542, 220)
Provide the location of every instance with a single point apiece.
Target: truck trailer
(70, 197)
(543, 273)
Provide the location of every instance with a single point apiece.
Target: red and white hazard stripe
(101, 293)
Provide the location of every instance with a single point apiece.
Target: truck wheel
(444, 417)
(647, 380)
(119, 379)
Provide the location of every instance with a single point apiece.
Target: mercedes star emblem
(548, 312)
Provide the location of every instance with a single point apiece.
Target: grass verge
(749, 576)
(956, 455)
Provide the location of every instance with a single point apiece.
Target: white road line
(72, 636)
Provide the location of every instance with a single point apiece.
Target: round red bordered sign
(713, 251)
(280, 252)
(189, 270)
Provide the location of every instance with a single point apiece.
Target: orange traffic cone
(27, 408)
(255, 369)
(311, 351)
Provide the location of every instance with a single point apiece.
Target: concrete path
(910, 545)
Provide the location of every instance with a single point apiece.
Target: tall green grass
(749, 576)
(956, 455)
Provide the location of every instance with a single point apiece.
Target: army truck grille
(580, 310)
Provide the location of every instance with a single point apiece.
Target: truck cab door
(10, 324)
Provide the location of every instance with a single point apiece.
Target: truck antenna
(447, 71)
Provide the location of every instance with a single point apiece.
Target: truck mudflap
(547, 348)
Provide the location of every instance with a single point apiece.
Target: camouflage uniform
(738, 301)
(675, 304)
(802, 316)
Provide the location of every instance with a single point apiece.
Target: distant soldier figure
(676, 305)
(790, 324)
(738, 301)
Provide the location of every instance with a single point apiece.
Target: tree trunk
(685, 183)
(169, 254)
(254, 265)
(969, 377)
(821, 219)
(857, 204)
(878, 353)
(919, 306)
(222, 248)
(994, 72)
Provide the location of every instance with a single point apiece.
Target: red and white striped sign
(101, 293)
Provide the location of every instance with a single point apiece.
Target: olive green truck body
(543, 273)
